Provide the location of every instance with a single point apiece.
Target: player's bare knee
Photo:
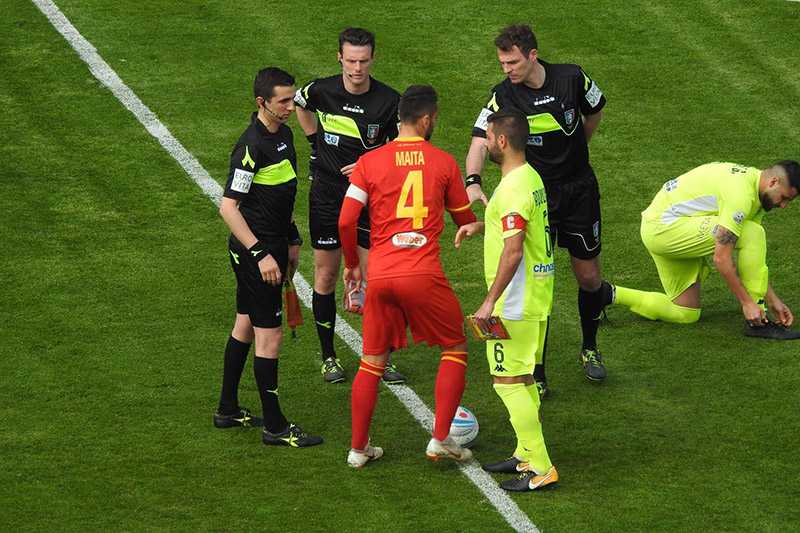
(268, 341)
(325, 280)
(242, 329)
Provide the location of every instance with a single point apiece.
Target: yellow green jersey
(726, 190)
(529, 295)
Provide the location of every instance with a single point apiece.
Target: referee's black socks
(235, 358)
(324, 307)
(266, 371)
(590, 305)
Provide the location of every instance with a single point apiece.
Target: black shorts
(261, 301)
(574, 213)
(324, 205)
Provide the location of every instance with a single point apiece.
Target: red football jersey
(409, 184)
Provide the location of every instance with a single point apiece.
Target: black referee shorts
(324, 205)
(259, 300)
(574, 213)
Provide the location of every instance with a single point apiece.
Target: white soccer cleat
(358, 458)
(447, 449)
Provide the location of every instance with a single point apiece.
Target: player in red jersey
(407, 185)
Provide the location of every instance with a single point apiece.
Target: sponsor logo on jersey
(332, 139)
(594, 94)
(738, 217)
(353, 108)
(242, 180)
(569, 116)
(543, 270)
(535, 140)
(299, 99)
(372, 132)
(482, 123)
(409, 239)
(281, 147)
(544, 100)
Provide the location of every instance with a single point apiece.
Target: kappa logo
(499, 368)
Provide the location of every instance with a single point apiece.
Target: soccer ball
(464, 429)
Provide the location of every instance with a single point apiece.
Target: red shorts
(426, 304)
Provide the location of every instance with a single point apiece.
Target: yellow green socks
(522, 403)
(752, 261)
(655, 306)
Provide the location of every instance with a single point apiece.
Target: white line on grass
(106, 75)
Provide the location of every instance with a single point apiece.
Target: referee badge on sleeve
(241, 180)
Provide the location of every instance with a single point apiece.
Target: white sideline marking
(106, 75)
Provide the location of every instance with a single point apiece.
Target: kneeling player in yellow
(518, 264)
(709, 212)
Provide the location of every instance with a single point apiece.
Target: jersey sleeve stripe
(356, 193)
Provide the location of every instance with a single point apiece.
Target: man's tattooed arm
(724, 235)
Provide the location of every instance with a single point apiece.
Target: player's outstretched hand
(348, 169)
(353, 275)
(270, 272)
(475, 193)
(468, 230)
(753, 314)
(781, 311)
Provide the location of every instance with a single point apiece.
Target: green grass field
(117, 297)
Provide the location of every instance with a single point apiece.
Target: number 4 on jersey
(417, 210)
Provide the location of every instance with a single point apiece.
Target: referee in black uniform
(343, 116)
(564, 107)
(264, 248)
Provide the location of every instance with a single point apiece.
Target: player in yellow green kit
(706, 214)
(519, 268)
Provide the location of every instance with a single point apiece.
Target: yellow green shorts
(518, 355)
(681, 250)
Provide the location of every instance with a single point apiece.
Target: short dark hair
(792, 169)
(269, 78)
(513, 124)
(416, 102)
(357, 37)
(519, 35)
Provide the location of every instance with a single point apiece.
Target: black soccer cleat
(771, 330)
(542, 389)
(529, 481)
(240, 418)
(592, 363)
(391, 376)
(292, 436)
(512, 465)
(332, 370)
